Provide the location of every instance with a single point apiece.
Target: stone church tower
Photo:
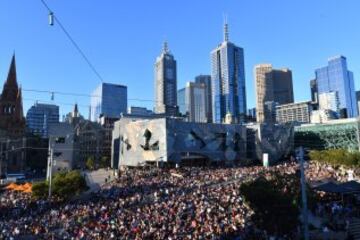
(12, 125)
(12, 120)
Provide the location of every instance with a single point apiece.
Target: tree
(40, 189)
(275, 210)
(336, 157)
(105, 162)
(64, 185)
(90, 163)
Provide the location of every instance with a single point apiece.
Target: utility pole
(303, 193)
(51, 157)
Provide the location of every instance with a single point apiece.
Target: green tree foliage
(336, 157)
(40, 190)
(90, 163)
(104, 162)
(274, 204)
(64, 185)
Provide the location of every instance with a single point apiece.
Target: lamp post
(303, 193)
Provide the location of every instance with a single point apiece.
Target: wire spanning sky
(123, 38)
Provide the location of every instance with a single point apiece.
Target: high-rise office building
(181, 101)
(165, 83)
(40, 116)
(329, 101)
(228, 81)
(336, 77)
(109, 100)
(193, 99)
(272, 85)
(206, 80)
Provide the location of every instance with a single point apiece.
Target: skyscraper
(228, 81)
(206, 80)
(165, 83)
(181, 101)
(40, 116)
(336, 77)
(109, 100)
(194, 98)
(271, 85)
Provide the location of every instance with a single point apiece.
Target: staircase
(354, 229)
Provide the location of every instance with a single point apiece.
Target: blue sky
(123, 38)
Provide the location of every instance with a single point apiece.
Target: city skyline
(33, 74)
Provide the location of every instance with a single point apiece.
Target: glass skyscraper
(166, 83)
(228, 81)
(335, 77)
(40, 116)
(109, 100)
(206, 80)
(192, 102)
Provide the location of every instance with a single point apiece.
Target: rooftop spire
(226, 29)
(165, 47)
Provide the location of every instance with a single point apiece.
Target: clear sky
(123, 38)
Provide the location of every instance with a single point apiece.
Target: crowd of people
(181, 203)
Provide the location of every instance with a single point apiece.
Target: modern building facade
(193, 96)
(272, 85)
(40, 116)
(62, 145)
(336, 77)
(206, 80)
(335, 134)
(139, 111)
(252, 115)
(299, 112)
(172, 141)
(181, 95)
(165, 83)
(314, 90)
(228, 81)
(329, 101)
(108, 100)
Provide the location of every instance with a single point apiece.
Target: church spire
(11, 80)
(75, 111)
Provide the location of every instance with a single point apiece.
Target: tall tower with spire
(166, 83)
(12, 121)
(228, 81)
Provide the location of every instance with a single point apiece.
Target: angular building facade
(228, 81)
(108, 100)
(206, 80)
(165, 84)
(336, 77)
(172, 141)
(40, 116)
(272, 85)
